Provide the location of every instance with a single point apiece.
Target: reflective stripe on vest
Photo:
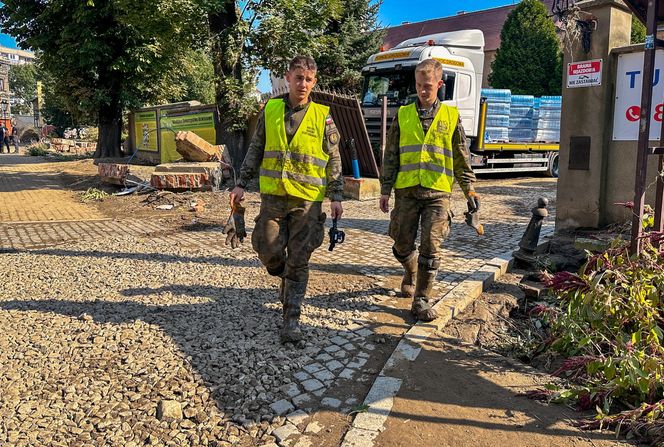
(296, 169)
(426, 160)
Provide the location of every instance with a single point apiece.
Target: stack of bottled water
(521, 118)
(547, 126)
(497, 114)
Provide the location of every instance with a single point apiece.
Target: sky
(391, 13)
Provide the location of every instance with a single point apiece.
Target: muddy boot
(293, 294)
(422, 306)
(410, 271)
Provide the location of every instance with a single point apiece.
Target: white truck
(390, 74)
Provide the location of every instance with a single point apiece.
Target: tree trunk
(110, 130)
(227, 67)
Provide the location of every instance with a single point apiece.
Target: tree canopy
(529, 60)
(347, 43)
(23, 85)
(105, 55)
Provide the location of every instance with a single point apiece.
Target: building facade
(5, 97)
(14, 56)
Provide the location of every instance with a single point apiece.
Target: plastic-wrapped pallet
(547, 126)
(495, 134)
(498, 102)
(521, 118)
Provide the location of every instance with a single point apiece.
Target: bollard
(530, 238)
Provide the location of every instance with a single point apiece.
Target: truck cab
(391, 74)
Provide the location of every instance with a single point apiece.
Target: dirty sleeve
(462, 171)
(333, 170)
(254, 158)
(390, 168)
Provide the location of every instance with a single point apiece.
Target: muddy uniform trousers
(286, 233)
(429, 212)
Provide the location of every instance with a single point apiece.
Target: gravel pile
(129, 341)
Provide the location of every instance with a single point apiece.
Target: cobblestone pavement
(139, 331)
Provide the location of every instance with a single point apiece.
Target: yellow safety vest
(296, 169)
(426, 159)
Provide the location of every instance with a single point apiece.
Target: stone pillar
(587, 113)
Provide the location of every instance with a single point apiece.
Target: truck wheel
(552, 168)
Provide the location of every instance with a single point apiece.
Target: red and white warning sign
(584, 73)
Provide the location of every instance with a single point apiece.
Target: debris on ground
(93, 195)
(197, 206)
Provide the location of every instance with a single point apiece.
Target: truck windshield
(399, 87)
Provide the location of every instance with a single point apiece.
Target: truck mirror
(441, 93)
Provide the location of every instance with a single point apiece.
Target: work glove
(473, 202)
(234, 229)
(472, 216)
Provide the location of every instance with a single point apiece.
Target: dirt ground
(460, 393)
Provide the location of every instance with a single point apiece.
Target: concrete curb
(380, 399)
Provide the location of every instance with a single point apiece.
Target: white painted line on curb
(380, 400)
(367, 426)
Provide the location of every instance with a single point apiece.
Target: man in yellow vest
(295, 151)
(425, 152)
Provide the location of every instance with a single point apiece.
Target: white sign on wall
(584, 73)
(627, 106)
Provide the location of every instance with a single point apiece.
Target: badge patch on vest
(442, 126)
(311, 131)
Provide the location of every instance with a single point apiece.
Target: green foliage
(23, 86)
(191, 80)
(529, 60)
(347, 43)
(38, 150)
(611, 328)
(57, 107)
(638, 31)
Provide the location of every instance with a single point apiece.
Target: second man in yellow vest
(295, 152)
(425, 152)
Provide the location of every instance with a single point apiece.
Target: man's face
(427, 86)
(300, 83)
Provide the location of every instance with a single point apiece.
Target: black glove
(235, 230)
(473, 202)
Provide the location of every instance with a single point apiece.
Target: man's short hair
(303, 62)
(430, 67)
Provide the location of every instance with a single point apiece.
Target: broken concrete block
(194, 148)
(114, 173)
